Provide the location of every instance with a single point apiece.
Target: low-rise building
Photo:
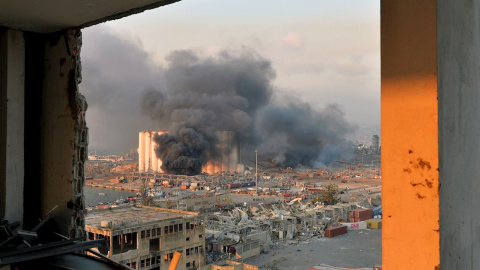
(147, 237)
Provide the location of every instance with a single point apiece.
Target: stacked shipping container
(358, 215)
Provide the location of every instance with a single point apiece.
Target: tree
(329, 194)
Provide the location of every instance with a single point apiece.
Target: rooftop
(125, 217)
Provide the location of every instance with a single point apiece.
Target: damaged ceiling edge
(49, 23)
(122, 14)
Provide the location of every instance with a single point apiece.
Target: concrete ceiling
(47, 16)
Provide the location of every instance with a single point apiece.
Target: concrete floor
(357, 249)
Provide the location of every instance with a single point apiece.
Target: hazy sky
(322, 51)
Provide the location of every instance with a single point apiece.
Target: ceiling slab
(47, 16)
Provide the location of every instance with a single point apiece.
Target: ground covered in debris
(356, 249)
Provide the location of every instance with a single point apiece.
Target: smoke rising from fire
(233, 91)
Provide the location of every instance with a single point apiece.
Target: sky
(322, 52)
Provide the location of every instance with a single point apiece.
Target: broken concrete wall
(56, 136)
(249, 248)
(43, 137)
(264, 237)
(64, 132)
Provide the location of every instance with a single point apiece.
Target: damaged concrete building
(249, 231)
(147, 237)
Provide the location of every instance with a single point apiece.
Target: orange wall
(409, 119)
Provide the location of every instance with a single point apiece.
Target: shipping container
(233, 185)
(374, 223)
(361, 214)
(248, 184)
(335, 230)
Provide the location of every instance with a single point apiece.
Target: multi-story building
(376, 144)
(147, 237)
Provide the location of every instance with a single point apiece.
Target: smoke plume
(233, 91)
(312, 136)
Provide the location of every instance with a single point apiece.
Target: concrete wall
(409, 123)
(12, 115)
(64, 137)
(459, 129)
(43, 135)
(249, 248)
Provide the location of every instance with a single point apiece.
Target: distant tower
(376, 143)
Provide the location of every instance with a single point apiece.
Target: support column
(62, 135)
(110, 252)
(122, 242)
(12, 119)
(459, 129)
(409, 122)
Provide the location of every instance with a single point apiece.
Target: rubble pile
(276, 223)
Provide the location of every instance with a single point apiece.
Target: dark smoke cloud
(313, 137)
(212, 93)
(183, 152)
(232, 91)
(116, 71)
(193, 97)
(205, 95)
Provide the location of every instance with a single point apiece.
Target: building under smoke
(223, 157)
(201, 95)
(226, 158)
(147, 159)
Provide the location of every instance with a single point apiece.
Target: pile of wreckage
(260, 226)
(44, 248)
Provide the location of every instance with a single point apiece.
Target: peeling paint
(420, 196)
(429, 183)
(423, 164)
(416, 184)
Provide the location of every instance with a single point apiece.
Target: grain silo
(147, 159)
(227, 156)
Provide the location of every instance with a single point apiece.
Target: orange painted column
(409, 123)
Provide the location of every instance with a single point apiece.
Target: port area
(107, 184)
(358, 249)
